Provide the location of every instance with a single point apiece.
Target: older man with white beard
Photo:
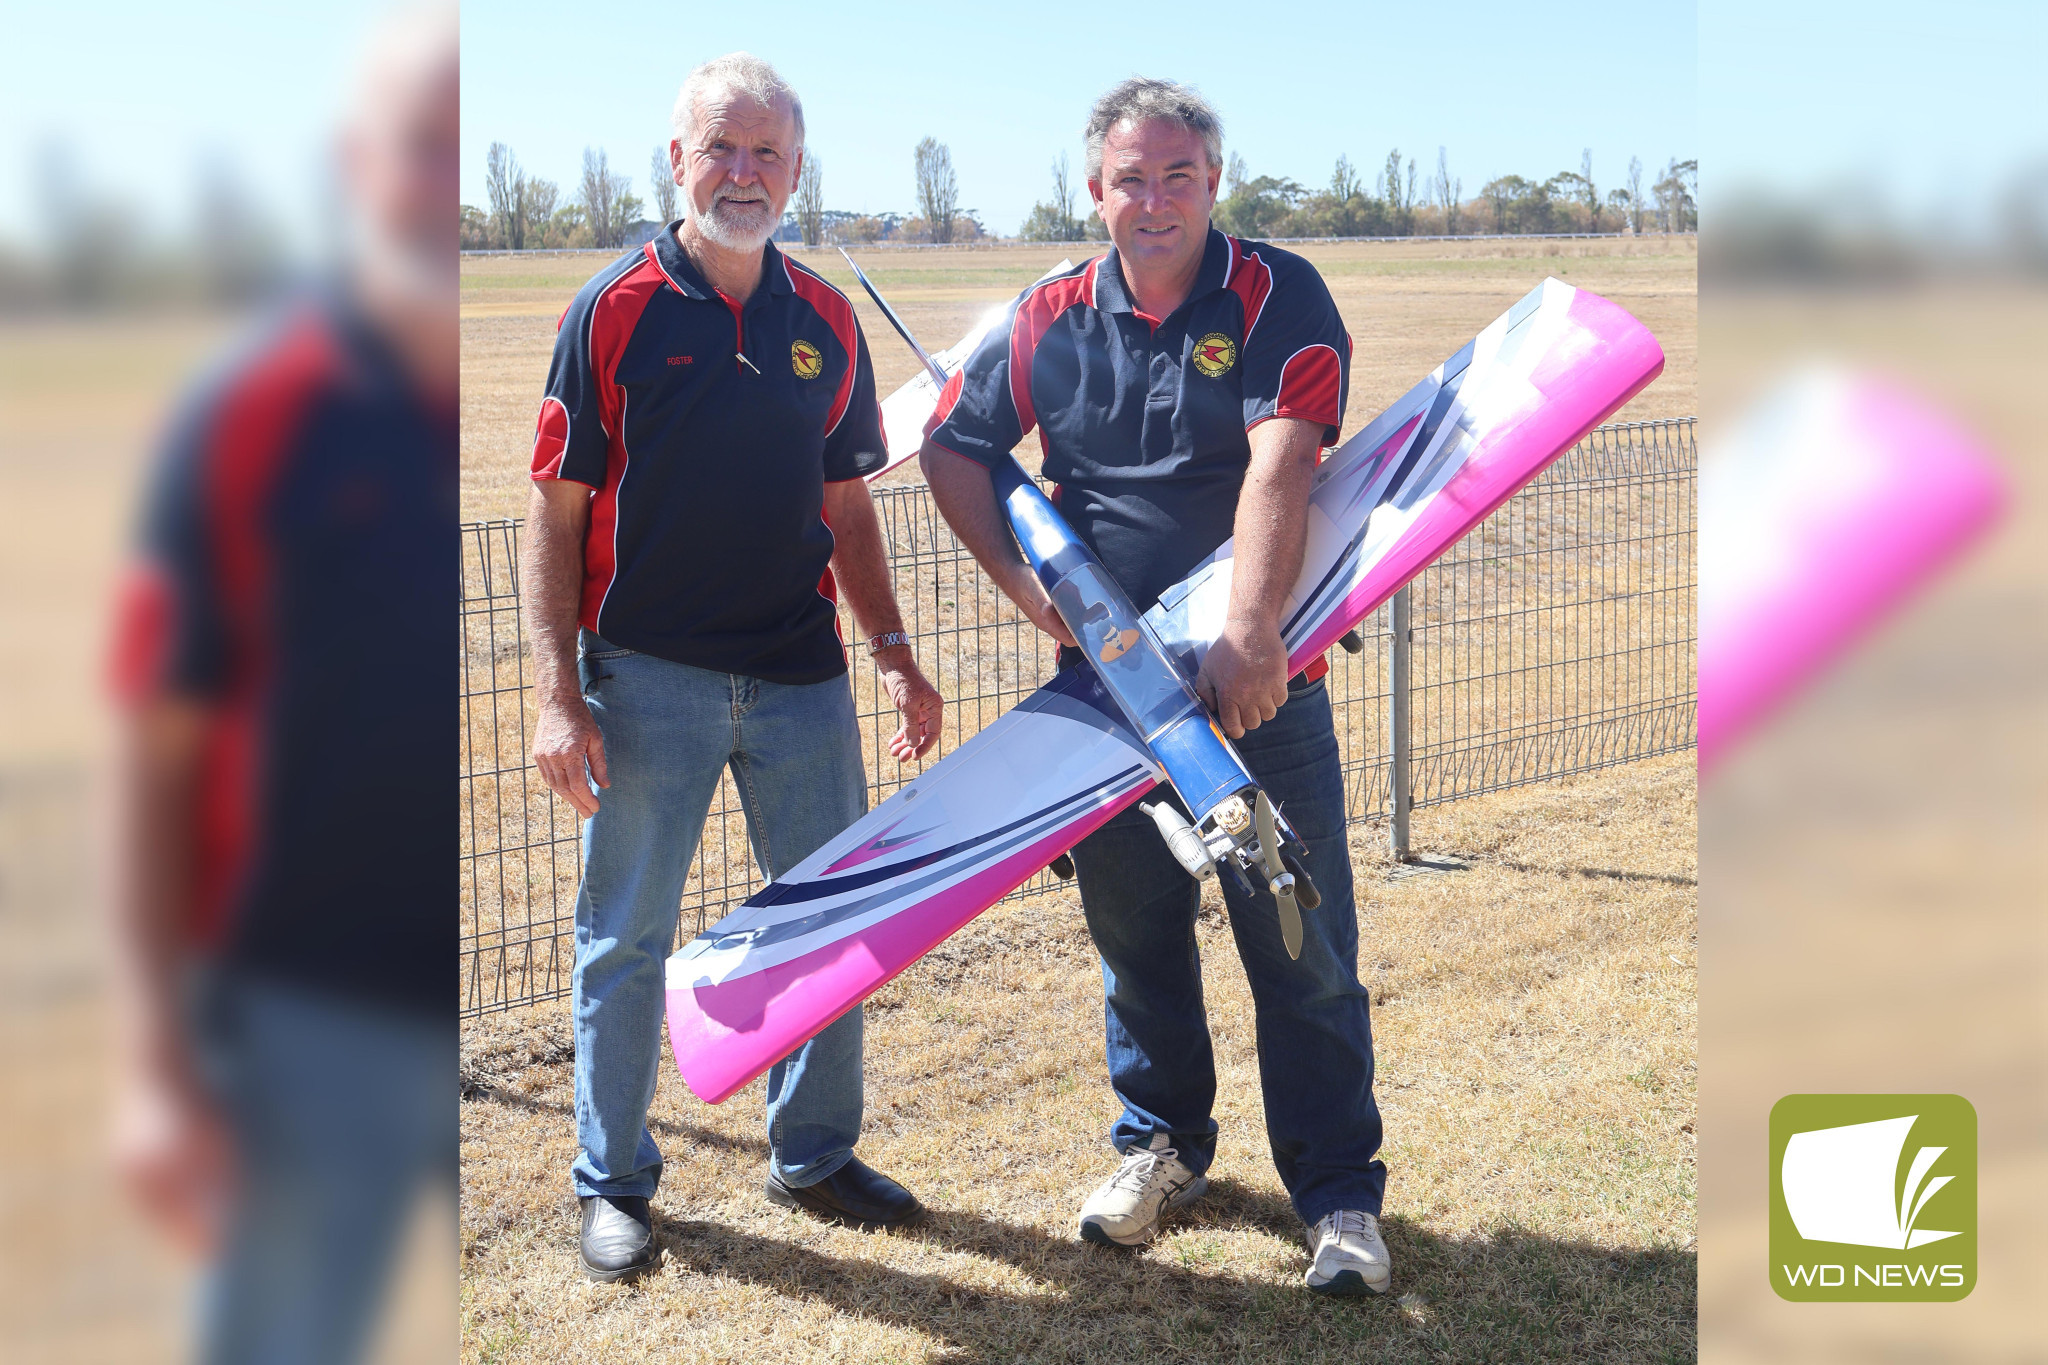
(698, 502)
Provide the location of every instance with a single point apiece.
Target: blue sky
(1506, 87)
(141, 96)
(1925, 103)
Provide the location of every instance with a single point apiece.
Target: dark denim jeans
(1313, 1020)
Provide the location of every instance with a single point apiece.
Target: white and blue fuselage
(1154, 689)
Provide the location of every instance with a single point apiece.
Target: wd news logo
(1873, 1197)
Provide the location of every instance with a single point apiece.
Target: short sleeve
(854, 448)
(1297, 360)
(170, 634)
(569, 439)
(976, 416)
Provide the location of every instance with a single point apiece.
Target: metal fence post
(1398, 700)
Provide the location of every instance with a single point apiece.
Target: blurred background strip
(227, 239)
(1875, 219)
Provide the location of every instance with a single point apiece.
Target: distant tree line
(95, 249)
(939, 217)
(527, 212)
(1397, 205)
(523, 213)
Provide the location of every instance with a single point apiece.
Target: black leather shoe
(856, 1194)
(618, 1237)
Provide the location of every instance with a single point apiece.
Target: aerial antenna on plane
(931, 366)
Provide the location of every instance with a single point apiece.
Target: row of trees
(939, 217)
(1398, 205)
(527, 212)
(530, 212)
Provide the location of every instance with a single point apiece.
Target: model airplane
(983, 820)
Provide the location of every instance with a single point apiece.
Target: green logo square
(1873, 1198)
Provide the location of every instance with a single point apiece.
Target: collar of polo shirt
(1111, 295)
(688, 281)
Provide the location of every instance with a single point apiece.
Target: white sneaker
(1125, 1212)
(1349, 1257)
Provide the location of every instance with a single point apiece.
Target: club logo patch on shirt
(1215, 354)
(806, 360)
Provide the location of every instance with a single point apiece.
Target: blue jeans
(669, 730)
(341, 1114)
(1313, 1021)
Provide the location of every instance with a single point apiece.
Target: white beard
(427, 274)
(720, 224)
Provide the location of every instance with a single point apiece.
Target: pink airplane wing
(1820, 512)
(1417, 478)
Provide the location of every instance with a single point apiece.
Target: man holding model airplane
(698, 497)
(1184, 385)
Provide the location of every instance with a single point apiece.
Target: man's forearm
(552, 585)
(159, 772)
(1272, 518)
(967, 500)
(860, 561)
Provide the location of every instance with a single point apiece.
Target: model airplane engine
(1235, 827)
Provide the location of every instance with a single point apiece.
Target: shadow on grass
(660, 1127)
(1614, 874)
(1506, 1296)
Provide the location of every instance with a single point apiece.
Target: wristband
(878, 643)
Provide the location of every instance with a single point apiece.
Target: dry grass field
(1532, 987)
(1408, 306)
(1534, 1024)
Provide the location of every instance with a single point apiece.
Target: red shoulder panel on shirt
(1251, 279)
(251, 434)
(948, 396)
(1035, 317)
(613, 316)
(1308, 385)
(250, 437)
(550, 438)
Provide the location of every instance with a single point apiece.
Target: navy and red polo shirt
(1145, 421)
(707, 430)
(296, 581)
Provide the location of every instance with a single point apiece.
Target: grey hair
(741, 71)
(1140, 99)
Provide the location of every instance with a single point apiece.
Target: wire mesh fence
(1556, 638)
